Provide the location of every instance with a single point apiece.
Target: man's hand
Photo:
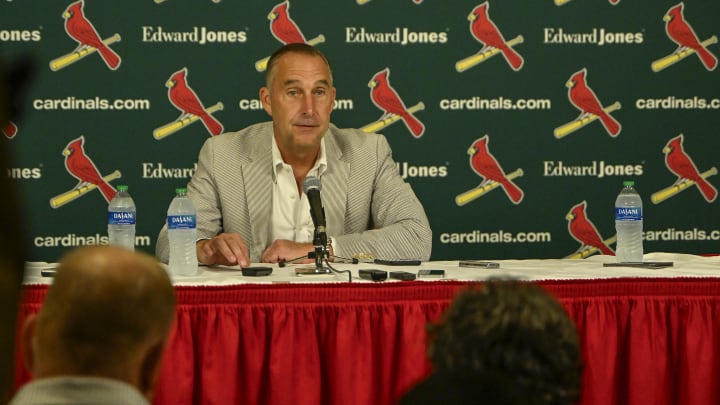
(282, 249)
(226, 249)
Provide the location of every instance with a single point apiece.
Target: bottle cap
(122, 187)
(181, 191)
(628, 183)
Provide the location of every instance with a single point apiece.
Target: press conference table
(648, 336)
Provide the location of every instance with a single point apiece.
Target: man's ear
(265, 99)
(27, 345)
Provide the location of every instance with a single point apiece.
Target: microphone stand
(320, 253)
(311, 187)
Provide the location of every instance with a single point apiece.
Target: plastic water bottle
(629, 224)
(182, 234)
(121, 219)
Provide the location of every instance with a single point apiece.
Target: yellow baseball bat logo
(172, 127)
(76, 193)
(472, 60)
(674, 58)
(673, 190)
(574, 125)
(477, 192)
(380, 124)
(72, 57)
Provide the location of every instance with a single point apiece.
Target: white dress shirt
(291, 218)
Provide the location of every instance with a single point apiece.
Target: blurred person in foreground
(248, 185)
(101, 332)
(505, 343)
(12, 232)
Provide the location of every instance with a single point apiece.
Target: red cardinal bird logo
(387, 99)
(283, 27)
(585, 100)
(487, 33)
(185, 100)
(484, 164)
(585, 231)
(9, 129)
(678, 162)
(678, 29)
(81, 30)
(79, 165)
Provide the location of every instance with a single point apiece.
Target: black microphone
(311, 187)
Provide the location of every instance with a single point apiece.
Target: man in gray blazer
(248, 185)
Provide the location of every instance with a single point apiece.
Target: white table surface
(684, 265)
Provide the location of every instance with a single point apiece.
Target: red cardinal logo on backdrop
(680, 32)
(81, 30)
(485, 31)
(283, 27)
(485, 165)
(185, 100)
(9, 130)
(79, 165)
(387, 99)
(585, 100)
(286, 31)
(680, 164)
(585, 231)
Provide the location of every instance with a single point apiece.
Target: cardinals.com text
(90, 104)
(72, 240)
(677, 103)
(498, 103)
(500, 236)
(682, 234)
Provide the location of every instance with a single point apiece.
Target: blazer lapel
(257, 175)
(335, 183)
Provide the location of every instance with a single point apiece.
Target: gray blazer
(368, 207)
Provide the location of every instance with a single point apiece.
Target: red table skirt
(644, 341)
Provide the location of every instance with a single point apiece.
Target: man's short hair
(514, 329)
(300, 48)
(104, 303)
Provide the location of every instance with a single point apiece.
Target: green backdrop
(521, 111)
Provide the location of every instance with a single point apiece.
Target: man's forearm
(408, 239)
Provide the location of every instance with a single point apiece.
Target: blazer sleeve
(400, 228)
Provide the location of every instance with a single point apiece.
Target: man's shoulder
(242, 145)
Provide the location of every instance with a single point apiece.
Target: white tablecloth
(684, 265)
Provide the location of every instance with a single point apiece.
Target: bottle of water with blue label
(121, 219)
(629, 224)
(182, 234)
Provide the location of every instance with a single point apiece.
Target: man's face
(299, 100)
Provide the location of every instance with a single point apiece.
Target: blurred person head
(509, 340)
(12, 249)
(107, 314)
